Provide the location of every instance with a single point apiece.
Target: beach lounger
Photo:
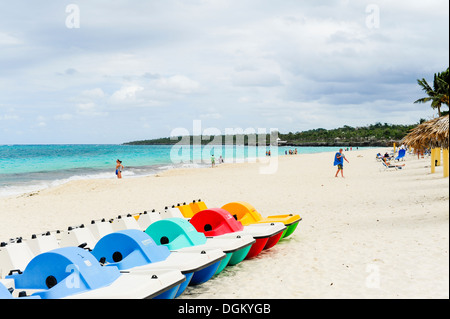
(401, 155)
(389, 167)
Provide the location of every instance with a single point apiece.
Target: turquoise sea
(26, 168)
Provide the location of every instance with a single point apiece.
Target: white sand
(374, 234)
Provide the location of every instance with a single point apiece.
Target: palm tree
(438, 94)
(443, 83)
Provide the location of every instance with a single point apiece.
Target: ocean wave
(43, 181)
(21, 188)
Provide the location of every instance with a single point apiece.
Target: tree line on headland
(372, 135)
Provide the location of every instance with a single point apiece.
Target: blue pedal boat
(74, 273)
(6, 293)
(134, 251)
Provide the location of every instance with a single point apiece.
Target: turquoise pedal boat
(180, 235)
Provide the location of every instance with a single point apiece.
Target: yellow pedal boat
(189, 210)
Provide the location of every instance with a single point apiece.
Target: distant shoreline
(376, 135)
(288, 144)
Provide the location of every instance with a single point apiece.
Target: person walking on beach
(119, 168)
(339, 161)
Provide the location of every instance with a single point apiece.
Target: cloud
(177, 84)
(70, 71)
(152, 90)
(259, 79)
(90, 109)
(94, 93)
(126, 93)
(7, 40)
(215, 116)
(41, 121)
(294, 65)
(63, 117)
(86, 106)
(9, 117)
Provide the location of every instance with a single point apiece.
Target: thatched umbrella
(432, 134)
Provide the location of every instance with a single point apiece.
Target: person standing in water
(119, 168)
(213, 161)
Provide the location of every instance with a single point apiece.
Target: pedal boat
(134, 251)
(4, 292)
(74, 273)
(217, 222)
(189, 210)
(181, 236)
(247, 215)
(7, 291)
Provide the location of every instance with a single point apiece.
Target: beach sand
(373, 234)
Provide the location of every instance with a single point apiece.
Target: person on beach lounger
(392, 165)
(339, 162)
(119, 168)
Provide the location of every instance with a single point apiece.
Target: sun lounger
(401, 155)
(388, 166)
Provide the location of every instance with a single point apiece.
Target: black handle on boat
(19, 272)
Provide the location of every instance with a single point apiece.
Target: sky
(75, 72)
